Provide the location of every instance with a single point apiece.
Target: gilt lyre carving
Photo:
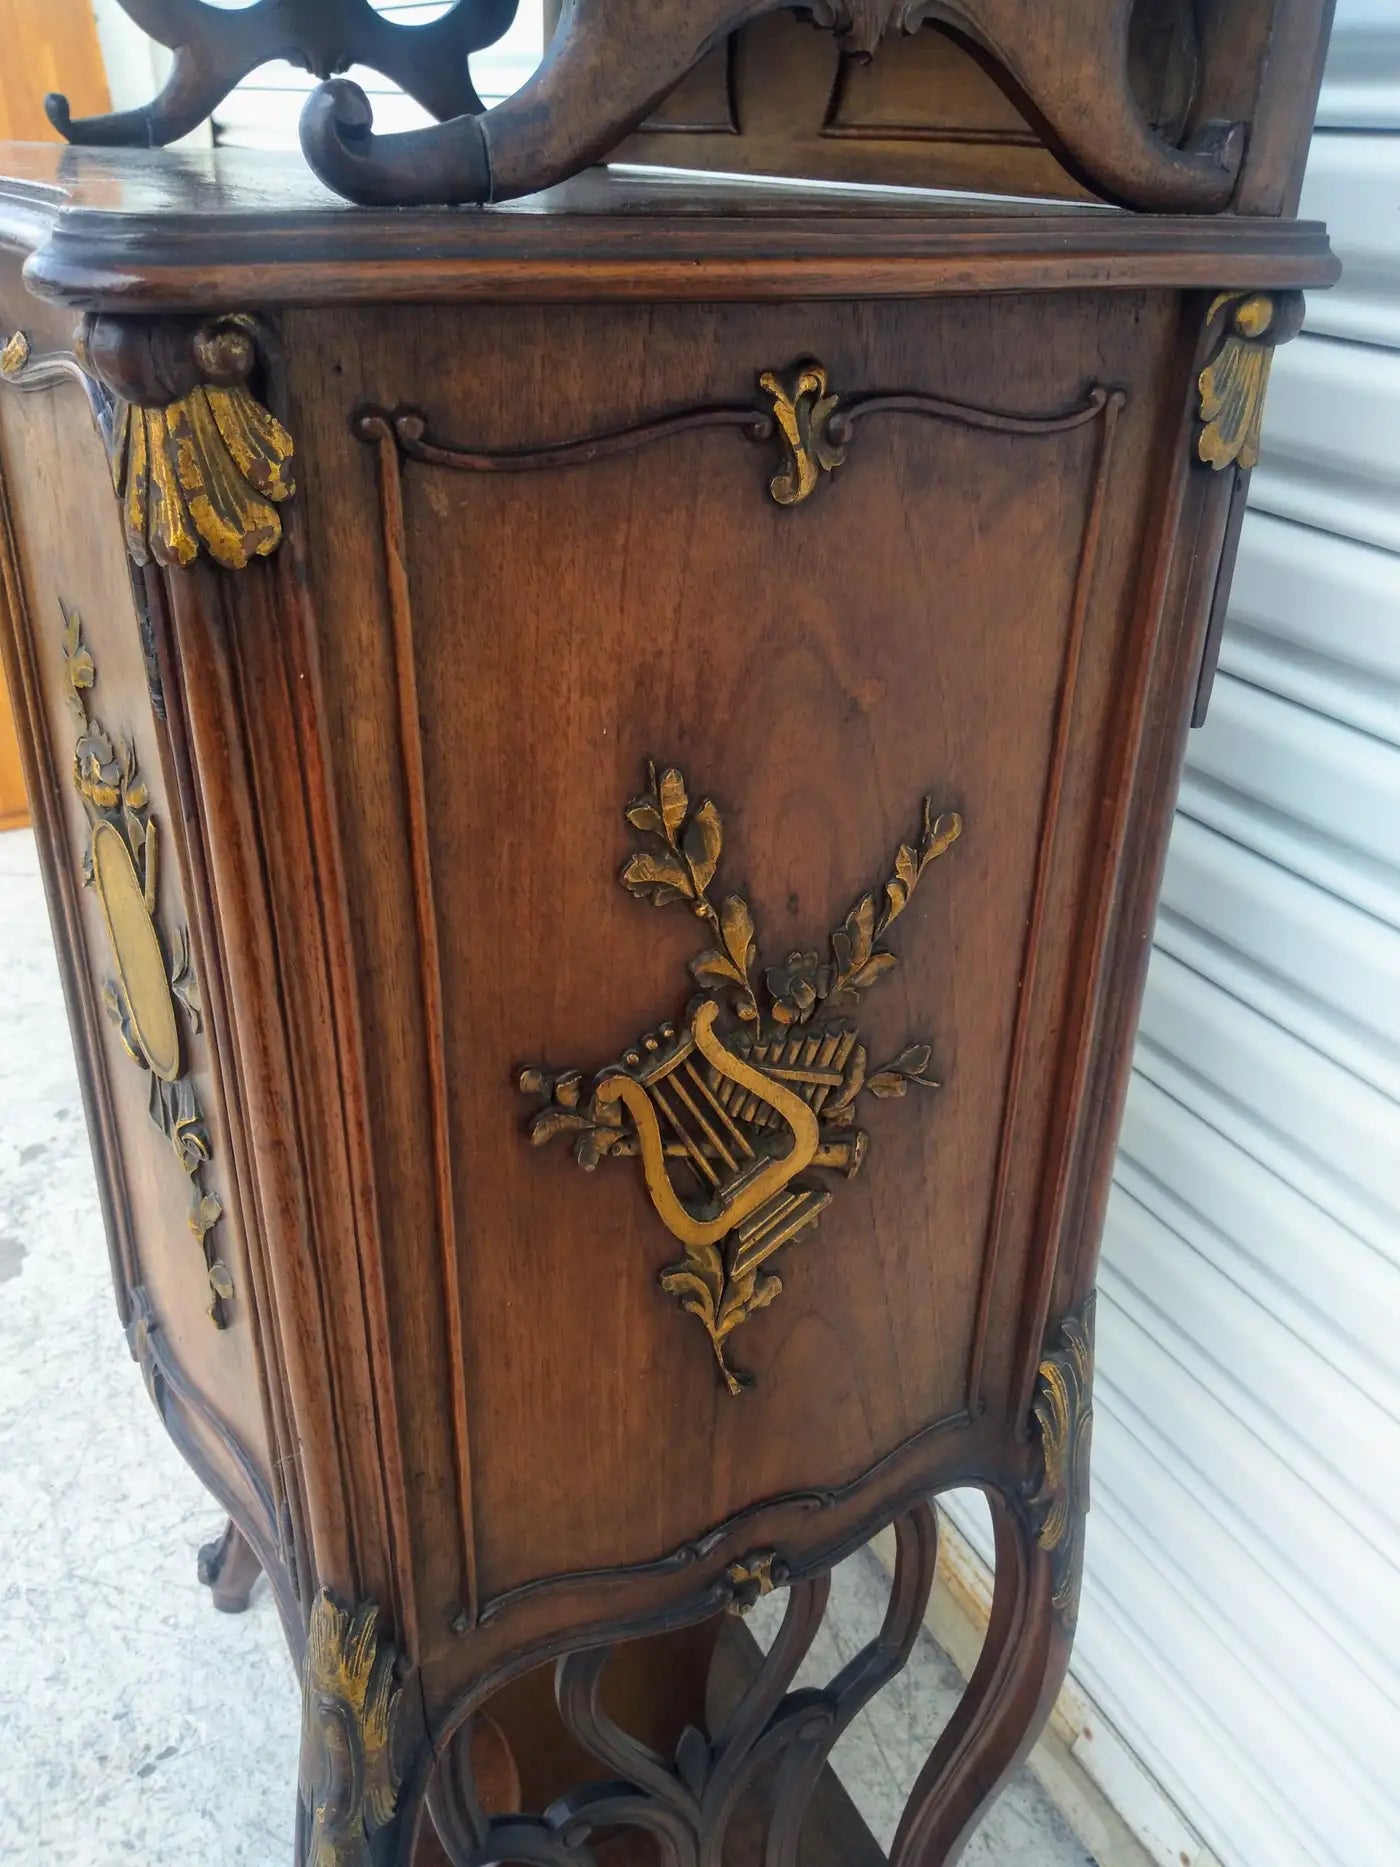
(727, 1109)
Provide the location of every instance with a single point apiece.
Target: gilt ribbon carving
(154, 987)
(760, 1081)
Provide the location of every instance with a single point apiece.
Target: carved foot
(228, 1568)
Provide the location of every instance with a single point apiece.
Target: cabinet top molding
(167, 230)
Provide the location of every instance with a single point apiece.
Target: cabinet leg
(228, 1569)
(1008, 1698)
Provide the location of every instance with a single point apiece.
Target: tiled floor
(135, 1723)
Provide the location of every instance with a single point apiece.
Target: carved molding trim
(1002, 1212)
(726, 1116)
(21, 368)
(429, 959)
(350, 1775)
(1064, 1415)
(193, 1424)
(795, 408)
(1247, 328)
(689, 1554)
(155, 982)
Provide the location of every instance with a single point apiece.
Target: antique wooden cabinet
(602, 764)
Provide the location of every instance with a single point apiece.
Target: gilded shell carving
(205, 473)
(1233, 383)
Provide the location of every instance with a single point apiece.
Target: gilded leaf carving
(806, 414)
(1064, 1414)
(729, 1107)
(350, 1775)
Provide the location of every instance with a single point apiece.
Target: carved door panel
(851, 643)
(82, 666)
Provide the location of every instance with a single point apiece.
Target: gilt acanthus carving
(1064, 1415)
(154, 995)
(198, 463)
(759, 1082)
(350, 1773)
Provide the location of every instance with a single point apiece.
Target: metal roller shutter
(1241, 1619)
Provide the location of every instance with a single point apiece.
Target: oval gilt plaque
(137, 951)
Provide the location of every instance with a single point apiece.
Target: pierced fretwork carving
(725, 1112)
(687, 1801)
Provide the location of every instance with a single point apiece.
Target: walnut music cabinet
(602, 741)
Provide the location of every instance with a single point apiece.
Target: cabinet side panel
(118, 885)
(947, 615)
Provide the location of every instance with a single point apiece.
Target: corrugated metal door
(1241, 1625)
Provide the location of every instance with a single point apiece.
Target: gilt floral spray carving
(759, 1084)
(155, 984)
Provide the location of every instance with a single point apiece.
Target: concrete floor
(136, 1724)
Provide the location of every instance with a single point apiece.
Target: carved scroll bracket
(198, 462)
(1247, 327)
(1064, 1414)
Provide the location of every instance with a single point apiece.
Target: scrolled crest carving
(350, 1774)
(861, 24)
(759, 1082)
(1069, 60)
